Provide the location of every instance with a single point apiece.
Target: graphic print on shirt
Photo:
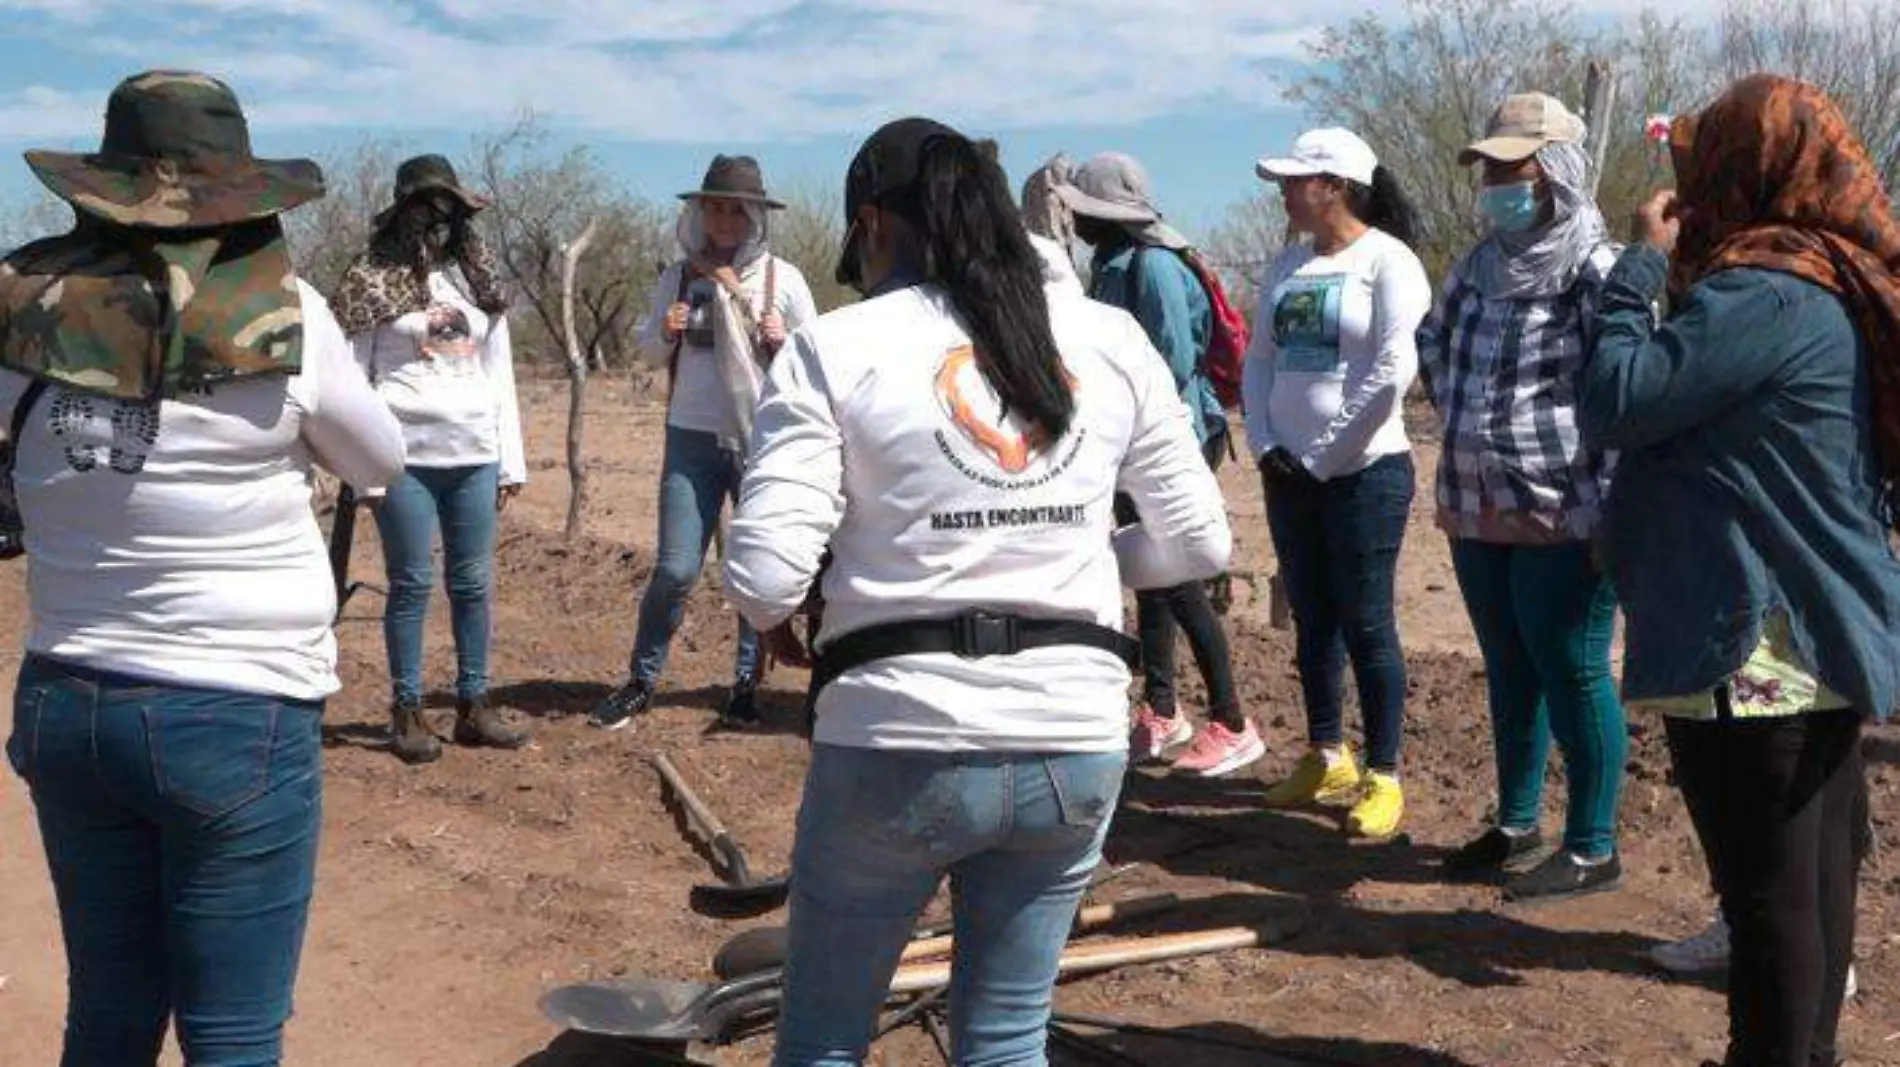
(450, 340)
(91, 428)
(983, 437)
(699, 309)
(1306, 322)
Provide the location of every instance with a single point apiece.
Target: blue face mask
(1511, 208)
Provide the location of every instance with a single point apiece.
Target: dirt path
(450, 896)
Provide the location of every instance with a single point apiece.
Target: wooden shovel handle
(1090, 918)
(696, 809)
(765, 946)
(1101, 956)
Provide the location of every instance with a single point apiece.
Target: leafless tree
(327, 234)
(1850, 48)
(571, 254)
(31, 216)
(540, 198)
(1245, 243)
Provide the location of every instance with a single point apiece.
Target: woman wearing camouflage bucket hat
(424, 309)
(719, 315)
(169, 381)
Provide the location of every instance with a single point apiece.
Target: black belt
(973, 634)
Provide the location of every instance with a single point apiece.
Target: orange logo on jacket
(1011, 451)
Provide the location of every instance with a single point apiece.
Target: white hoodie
(717, 384)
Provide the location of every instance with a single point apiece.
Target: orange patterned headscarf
(1772, 176)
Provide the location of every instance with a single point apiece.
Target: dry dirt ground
(451, 896)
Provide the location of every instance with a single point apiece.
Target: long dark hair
(973, 244)
(1384, 206)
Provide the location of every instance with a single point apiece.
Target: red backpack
(1226, 354)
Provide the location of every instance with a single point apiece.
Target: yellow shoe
(1314, 780)
(1378, 812)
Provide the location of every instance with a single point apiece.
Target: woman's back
(1748, 479)
(946, 506)
(175, 541)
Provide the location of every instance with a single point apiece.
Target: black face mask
(1100, 233)
(437, 220)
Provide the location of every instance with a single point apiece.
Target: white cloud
(40, 112)
(697, 71)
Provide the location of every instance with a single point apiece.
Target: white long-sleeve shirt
(177, 542)
(1334, 351)
(700, 400)
(879, 437)
(448, 373)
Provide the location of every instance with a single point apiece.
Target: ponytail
(1384, 206)
(973, 245)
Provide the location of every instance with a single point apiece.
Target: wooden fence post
(1599, 101)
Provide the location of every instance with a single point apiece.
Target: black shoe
(1562, 877)
(742, 707)
(1491, 855)
(619, 707)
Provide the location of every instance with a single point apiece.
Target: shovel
(650, 1009)
(658, 1009)
(762, 948)
(740, 891)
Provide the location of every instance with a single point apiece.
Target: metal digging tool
(655, 1009)
(740, 890)
(342, 543)
(762, 948)
(658, 1009)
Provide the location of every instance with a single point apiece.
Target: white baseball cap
(1332, 151)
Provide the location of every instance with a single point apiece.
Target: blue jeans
(461, 500)
(1018, 835)
(1338, 544)
(697, 477)
(1544, 618)
(181, 829)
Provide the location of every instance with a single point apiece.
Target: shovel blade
(736, 900)
(652, 1009)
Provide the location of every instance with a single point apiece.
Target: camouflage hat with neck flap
(176, 277)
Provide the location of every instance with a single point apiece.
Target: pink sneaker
(1155, 734)
(1219, 751)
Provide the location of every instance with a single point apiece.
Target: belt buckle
(986, 633)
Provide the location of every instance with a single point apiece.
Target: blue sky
(1192, 87)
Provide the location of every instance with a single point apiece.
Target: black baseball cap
(884, 172)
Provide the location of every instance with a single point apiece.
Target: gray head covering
(1546, 260)
(1114, 187)
(694, 244)
(1043, 210)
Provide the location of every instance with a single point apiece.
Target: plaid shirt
(1502, 375)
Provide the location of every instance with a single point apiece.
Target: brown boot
(409, 736)
(479, 726)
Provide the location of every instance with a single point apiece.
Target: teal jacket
(1173, 308)
(1747, 480)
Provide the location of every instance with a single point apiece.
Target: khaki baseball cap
(1521, 126)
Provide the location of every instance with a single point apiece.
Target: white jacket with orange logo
(878, 436)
